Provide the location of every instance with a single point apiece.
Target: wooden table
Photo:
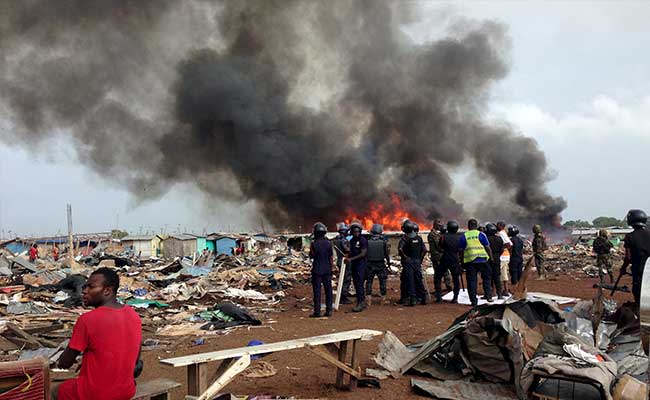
(333, 348)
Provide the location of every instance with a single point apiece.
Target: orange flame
(390, 216)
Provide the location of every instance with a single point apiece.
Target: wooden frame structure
(332, 348)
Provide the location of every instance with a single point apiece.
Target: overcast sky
(579, 84)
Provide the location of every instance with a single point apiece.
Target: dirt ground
(304, 375)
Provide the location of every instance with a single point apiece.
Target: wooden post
(197, 378)
(340, 375)
(70, 244)
(354, 362)
(339, 287)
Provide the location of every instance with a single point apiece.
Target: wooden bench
(158, 389)
(333, 348)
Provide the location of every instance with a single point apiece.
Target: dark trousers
(316, 281)
(472, 271)
(358, 278)
(413, 284)
(441, 271)
(378, 269)
(495, 275)
(515, 267)
(637, 275)
(347, 278)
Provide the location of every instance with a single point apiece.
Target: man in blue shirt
(475, 253)
(357, 260)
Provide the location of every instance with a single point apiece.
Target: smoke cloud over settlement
(316, 110)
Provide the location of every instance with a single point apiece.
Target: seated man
(109, 338)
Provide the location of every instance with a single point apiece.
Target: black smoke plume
(310, 108)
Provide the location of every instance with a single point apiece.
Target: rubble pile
(41, 300)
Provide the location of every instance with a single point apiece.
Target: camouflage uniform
(539, 246)
(602, 247)
(436, 254)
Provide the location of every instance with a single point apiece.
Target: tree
(118, 234)
(577, 224)
(604, 222)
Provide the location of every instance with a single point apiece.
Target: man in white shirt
(505, 256)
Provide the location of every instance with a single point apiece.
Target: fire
(390, 216)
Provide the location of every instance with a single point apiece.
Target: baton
(620, 275)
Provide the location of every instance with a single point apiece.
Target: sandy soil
(304, 375)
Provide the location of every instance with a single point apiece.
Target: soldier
(412, 251)
(378, 262)
(342, 247)
(449, 261)
(539, 246)
(436, 252)
(602, 247)
(497, 246)
(357, 259)
(322, 255)
(637, 250)
(476, 252)
(516, 263)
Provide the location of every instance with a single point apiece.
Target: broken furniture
(333, 348)
(28, 379)
(158, 389)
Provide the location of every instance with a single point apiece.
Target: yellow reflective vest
(474, 248)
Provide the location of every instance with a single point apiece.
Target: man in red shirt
(109, 338)
(33, 252)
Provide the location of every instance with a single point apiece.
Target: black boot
(455, 299)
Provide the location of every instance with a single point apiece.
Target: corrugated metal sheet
(464, 390)
(36, 385)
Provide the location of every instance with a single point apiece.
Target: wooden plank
(154, 388)
(325, 355)
(197, 378)
(340, 375)
(355, 363)
(225, 378)
(339, 287)
(332, 348)
(358, 334)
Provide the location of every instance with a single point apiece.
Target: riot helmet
(377, 229)
(491, 229)
(452, 226)
(342, 228)
(637, 218)
(319, 230)
(513, 230)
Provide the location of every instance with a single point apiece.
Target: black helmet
(416, 228)
(491, 229)
(342, 228)
(452, 226)
(513, 230)
(319, 230)
(637, 218)
(356, 225)
(377, 229)
(408, 226)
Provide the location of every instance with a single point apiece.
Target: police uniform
(321, 272)
(539, 246)
(413, 286)
(342, 248)
(435, 251)
(602, 247)
(449, 262)
(475, 261)
(358, 266)
(378, 256)
(638, 245)
(516, 263)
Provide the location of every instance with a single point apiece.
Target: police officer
(539, 246)
(497, 247)
(434, 237)
(412, 250)
(516, 263)
(475, 254)
(449, 261)
(342, 247)
(322, 255)
(378, 261)
(357, 258)
(637, 250)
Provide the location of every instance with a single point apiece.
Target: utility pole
(70, 244)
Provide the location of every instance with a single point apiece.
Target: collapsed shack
(512, 350)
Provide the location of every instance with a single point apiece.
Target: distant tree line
(600, 222)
